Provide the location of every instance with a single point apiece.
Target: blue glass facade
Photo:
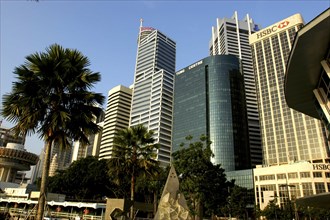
(209, 100)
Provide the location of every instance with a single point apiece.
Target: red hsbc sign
(283, 24)
(272, 29)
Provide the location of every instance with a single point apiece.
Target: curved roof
(304, 69)
(18, 157)
(319, 201)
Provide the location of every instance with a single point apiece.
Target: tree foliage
(203, 184)
(85, 179)
(238, 200)
(133, 156)
(290, 211)
(52, 97)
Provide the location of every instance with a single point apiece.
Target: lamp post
(275, 205)
(287, 191)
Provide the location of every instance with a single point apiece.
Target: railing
(17, 212)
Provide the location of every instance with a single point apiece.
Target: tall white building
(60, 158)
(116, 117)
(231, 36)
(93, 148)
(153, 87)
(287, 135)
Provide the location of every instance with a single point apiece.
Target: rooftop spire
(141, 22)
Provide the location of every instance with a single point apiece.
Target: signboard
(190, 67)
(276, 28)
(321, 166)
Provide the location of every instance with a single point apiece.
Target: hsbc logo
(283, 24)
(272, 29)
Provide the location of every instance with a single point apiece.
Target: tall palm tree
(52, 97)
(134, 152)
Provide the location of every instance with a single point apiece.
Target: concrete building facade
(93, 148)
(289, 182)
(116, 117)
(14, 158)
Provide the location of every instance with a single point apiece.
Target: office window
(293, 175)
(317, 174)
(305, 175)
(320, 188)
(281, 176)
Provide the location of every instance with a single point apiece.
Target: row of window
(292, 176)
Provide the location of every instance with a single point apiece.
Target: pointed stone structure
(172, 204)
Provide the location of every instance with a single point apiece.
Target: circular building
(14, 158)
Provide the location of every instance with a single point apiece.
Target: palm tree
(52, 97)
(134, 154)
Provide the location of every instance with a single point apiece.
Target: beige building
(296, 149)
(116, 117)
(93, 148)
(289, 182)
(287, 135)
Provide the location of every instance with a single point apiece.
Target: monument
(172, 204)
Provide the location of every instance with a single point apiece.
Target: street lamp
(275, 205)
(287, 191)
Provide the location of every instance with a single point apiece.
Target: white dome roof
(15, 146)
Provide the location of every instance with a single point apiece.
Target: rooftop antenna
(141, 22)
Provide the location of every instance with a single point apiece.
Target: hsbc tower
(287, 135)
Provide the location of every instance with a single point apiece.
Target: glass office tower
(153, 88)
(231, 36)
(287, 135)
(209, 100)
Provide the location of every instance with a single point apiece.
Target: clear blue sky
(106, 32)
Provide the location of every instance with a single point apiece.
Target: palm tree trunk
(155, 202)
(44, 180)
(132, 194)
(134, 159)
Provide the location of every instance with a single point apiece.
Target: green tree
(52, 97)
(150, 188)
(203, 184)
(134, 154)
(305, 212)
(273, 211)
(85, 179)
(239, 199)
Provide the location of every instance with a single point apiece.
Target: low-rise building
(289, 182)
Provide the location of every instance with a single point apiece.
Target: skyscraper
(231, 36)
(287, 135)
(93, 148)
(153, 87)
(209, 100)
(116, 117)
(295, 147)
(60, 158)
